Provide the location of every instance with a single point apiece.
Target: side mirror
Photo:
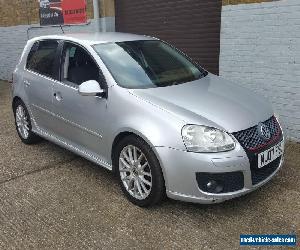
(90, 88)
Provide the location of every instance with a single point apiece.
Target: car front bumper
(180, 168)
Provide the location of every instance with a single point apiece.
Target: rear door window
(41, 58)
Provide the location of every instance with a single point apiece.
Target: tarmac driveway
(51, 198)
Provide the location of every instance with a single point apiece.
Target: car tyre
(139, 172)
(23, 124)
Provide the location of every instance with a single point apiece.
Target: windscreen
(147, 64)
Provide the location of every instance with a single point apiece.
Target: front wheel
(139, 172)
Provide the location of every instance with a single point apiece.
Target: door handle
(58, 96)
(26, 83)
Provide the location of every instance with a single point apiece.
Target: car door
(81, 119)
(39, 77)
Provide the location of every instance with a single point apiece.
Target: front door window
(78, 65)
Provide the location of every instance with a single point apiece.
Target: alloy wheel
(135, 172)
(22, 122)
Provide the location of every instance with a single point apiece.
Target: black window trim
(55, 65)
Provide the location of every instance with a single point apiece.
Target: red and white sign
(74, 12)
(60, 12)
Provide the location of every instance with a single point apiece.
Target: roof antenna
(62, 29)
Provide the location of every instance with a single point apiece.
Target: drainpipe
(103, 20)
(103, 24)
(96, 15)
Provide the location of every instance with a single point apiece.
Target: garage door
(191, 25)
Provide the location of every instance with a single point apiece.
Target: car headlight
(206, 139)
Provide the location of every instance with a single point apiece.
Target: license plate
(270, 155)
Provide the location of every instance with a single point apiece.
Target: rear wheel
(23, 124)
(139, 172)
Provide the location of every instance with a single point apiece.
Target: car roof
(95, 38)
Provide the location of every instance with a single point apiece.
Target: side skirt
(74, 148)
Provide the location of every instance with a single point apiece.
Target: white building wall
(260, 49)
(14, 38)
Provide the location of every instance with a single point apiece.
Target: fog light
(220, 182)
(214, 187)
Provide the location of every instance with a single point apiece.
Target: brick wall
(19, 12)
(260, 49)
(16, 16)
(14, 38)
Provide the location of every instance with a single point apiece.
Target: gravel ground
(51, 198)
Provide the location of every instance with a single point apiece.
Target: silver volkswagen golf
(144, 110)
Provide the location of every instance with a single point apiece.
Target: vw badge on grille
(263, 131)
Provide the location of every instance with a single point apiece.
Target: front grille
(253, 144)
(230, 181)
(250, 138)
(260, 174)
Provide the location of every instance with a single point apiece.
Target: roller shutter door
(191, 25)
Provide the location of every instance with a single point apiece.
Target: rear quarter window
(41, 58)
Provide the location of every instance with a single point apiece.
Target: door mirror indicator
(90, 88)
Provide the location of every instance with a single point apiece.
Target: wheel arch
(121, 135)
(15, 99)
(128, 132)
